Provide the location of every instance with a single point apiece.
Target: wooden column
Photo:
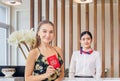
(55, 21)
(70, 28)
(63, 26)
(112, 38)
(87, 17)
(119, 32)
(78, 25)
(103, 38)
(31, 14)
(95, 24)
(47, 9)
(39, 10)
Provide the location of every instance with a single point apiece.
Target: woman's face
(46, 33)
(86, 41)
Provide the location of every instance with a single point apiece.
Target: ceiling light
(12, 2)
(83, 1)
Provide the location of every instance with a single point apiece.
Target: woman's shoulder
(58, 49)
(96, 53)
(33, 53)
(76, 52)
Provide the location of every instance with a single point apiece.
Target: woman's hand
(50, 71)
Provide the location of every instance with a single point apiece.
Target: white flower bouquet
(25, 37)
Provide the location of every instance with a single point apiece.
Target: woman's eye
(44, 31)
(83, 39)
(88, 38)
(51, 31)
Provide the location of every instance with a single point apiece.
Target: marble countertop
(92, 79)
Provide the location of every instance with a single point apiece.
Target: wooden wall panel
(95, 24)
(79, 28)
(63, 26)
(47, 9)
(78, 25)
(31, 14)
(119, 32)
(112, 38)
(70, 28)
(39, 10)
(55, 20)
(103, 37)
(87, 17)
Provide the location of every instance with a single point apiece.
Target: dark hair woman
(86, 62)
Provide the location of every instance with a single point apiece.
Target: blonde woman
(37, 65)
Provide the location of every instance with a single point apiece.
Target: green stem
(26, 46)
(22, 51)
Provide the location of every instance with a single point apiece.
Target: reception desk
(92, 79)
(66, 79)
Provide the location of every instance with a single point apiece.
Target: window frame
(7, 27)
